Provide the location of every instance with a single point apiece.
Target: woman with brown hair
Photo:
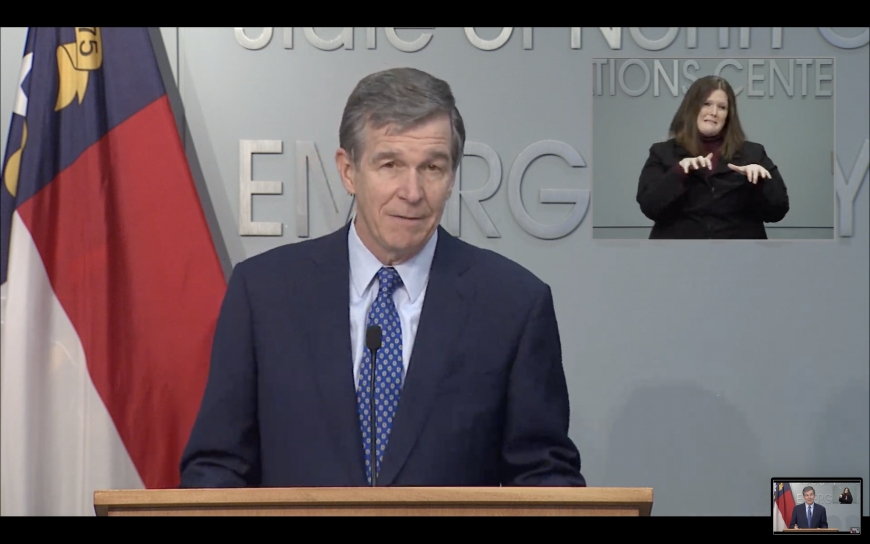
(846, 497)
(707, 180)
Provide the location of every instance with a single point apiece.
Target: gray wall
(692, 366)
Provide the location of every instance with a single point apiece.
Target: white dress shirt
(364, 267)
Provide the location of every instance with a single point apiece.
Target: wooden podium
(381, 501)
(828, 530)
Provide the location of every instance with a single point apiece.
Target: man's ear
(346, 170)
(452, 184)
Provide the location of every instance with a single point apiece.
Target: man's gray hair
(809, 488)
(404, 98)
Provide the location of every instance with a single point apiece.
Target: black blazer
(704, 204)
(485, 400)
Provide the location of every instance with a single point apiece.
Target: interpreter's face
(402, 183)
(713, 114)
(809, 497)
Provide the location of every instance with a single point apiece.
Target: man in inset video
(809, 515)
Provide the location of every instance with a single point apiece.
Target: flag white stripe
(778, 521)
(58, 443)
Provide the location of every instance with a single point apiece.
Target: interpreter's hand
(753, 172)
(696, 163)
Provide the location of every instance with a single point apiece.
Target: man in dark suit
(809, 515)
(470, 386)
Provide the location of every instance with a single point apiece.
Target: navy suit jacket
(484, 402)
(799, 517)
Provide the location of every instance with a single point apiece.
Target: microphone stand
(373, 343)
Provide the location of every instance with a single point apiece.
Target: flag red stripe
(130, 257)
(785, 503)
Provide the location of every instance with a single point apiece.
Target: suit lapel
(332, 354)
(678, 151)
(445, 309)
(722, 164)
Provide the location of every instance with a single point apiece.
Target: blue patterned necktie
(390, 368)
(809, 516)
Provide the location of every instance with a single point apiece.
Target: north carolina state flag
(111, 282)
(783, 504)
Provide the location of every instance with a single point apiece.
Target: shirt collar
(364, 265)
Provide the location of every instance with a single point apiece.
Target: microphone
(373, 343)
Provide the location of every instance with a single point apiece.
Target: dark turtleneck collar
(716, 140)
(711, 143)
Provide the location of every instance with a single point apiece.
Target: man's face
(402, 182)
(809, 497)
